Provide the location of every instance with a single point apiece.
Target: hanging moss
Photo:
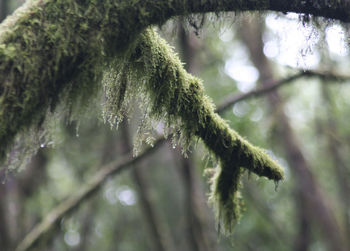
(178, 98)
(43, 64)
(53, 54)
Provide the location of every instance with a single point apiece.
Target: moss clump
(53, 54)
(46, 58)
(173, 95)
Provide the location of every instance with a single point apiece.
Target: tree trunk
(3, 9)
(311, 201)
(159, 233)
(198, 215)
(341, 168)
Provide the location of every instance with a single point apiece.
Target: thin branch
(73, 202)
(273, 85)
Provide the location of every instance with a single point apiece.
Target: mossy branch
(54, 52)
(77, 198)
(178, 97)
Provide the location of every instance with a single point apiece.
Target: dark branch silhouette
(273, 85)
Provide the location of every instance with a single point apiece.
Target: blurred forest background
(280, 80)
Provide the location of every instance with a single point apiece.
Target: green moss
(53, 55)
(173, 95)
(43, 68)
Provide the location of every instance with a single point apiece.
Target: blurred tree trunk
(198, 217)
(14, 192)
(3, 9)
(86, 227)
(265, 210)
(4, 238)
(87, 220)
(335, 144)
(30, 181)
(310, 200)
(199, 220)
(159, 233)
(5, 241)
(339, 163)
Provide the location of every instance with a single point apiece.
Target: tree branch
(232, 99)
(98, 180)
(54, 52)
(75, 200)
(51, 47)
(178, 98)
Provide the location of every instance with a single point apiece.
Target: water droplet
(42, 145)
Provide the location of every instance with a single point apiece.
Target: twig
(233, 99)
(81, 195)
